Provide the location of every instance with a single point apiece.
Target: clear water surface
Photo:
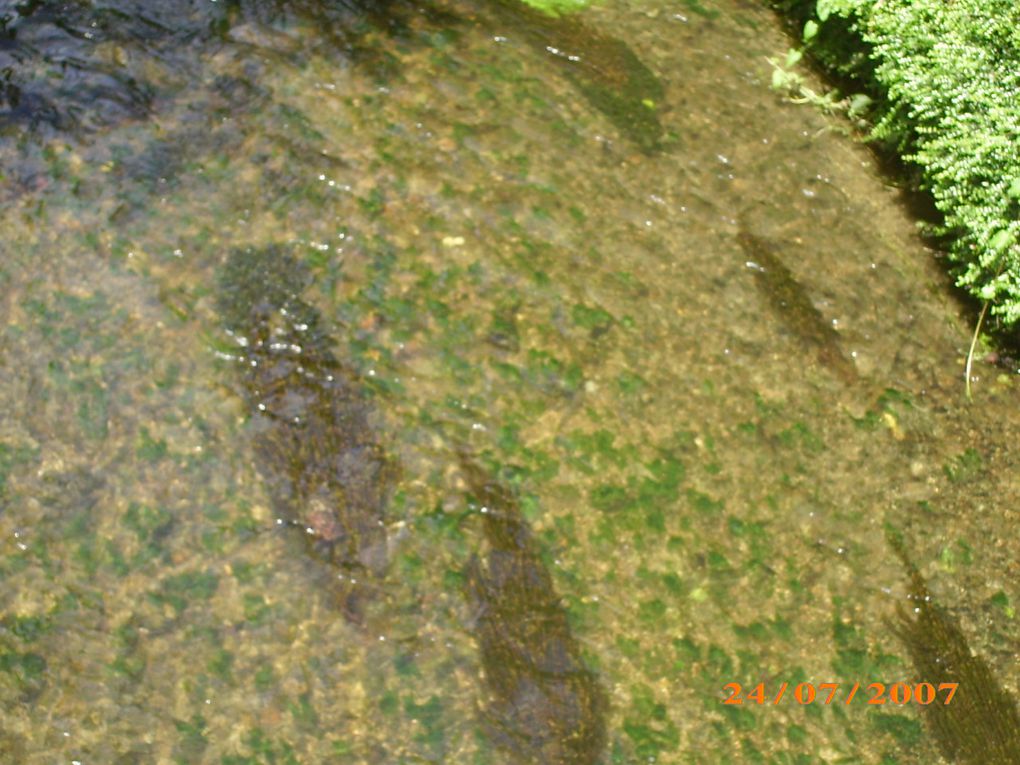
(514, 264)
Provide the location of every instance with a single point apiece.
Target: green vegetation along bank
(944, 83)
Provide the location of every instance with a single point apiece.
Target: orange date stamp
(829, 693)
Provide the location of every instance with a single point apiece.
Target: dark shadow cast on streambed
(545, 706)
(321, 459)
(981, 725)
(326, 471)
(602, 68)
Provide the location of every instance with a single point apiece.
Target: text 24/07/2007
(826, 693)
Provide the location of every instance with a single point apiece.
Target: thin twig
(973, 343)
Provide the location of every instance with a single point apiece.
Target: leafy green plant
(557, 7)
(943, 83)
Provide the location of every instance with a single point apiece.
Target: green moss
(429, 715)
(648, 725)
(630, 383)
(799, 435)
(753, 631)
(696, 6)
(303, 712)
(703, 503)
(179, 590)
(1000, 600)
(855, 657)
(796, 734)
(739, 718)
(557, 7)
(146, 521)
(389, 703)
(957, 554)
(651, 612)
(256, 609)
(10, 458)
(28, 666)
(264, 678)
(718, 664)
(149, 448)
(964, 467)
(92, 408)
(609, 498)
(906, 730)
(595, 319)
(26, 628)
(193, 741)
(629, 647)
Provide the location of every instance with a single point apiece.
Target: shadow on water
(604, 69)
(789, 301)
(545, 705)
(981, 726)
(315, 449)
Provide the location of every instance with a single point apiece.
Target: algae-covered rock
(315, 449)
(545, 706)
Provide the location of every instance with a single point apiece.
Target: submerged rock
(790, 303)
(545, 706)
(314, 446)
(981, 725)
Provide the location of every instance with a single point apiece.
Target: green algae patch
(964, 467)
(556, 7)
(648, 726)
(180, 590)
(12, 457)
(26, 669)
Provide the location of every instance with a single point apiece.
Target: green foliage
(558, 7)
(945, 79)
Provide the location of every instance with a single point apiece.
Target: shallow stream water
(688, 328)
